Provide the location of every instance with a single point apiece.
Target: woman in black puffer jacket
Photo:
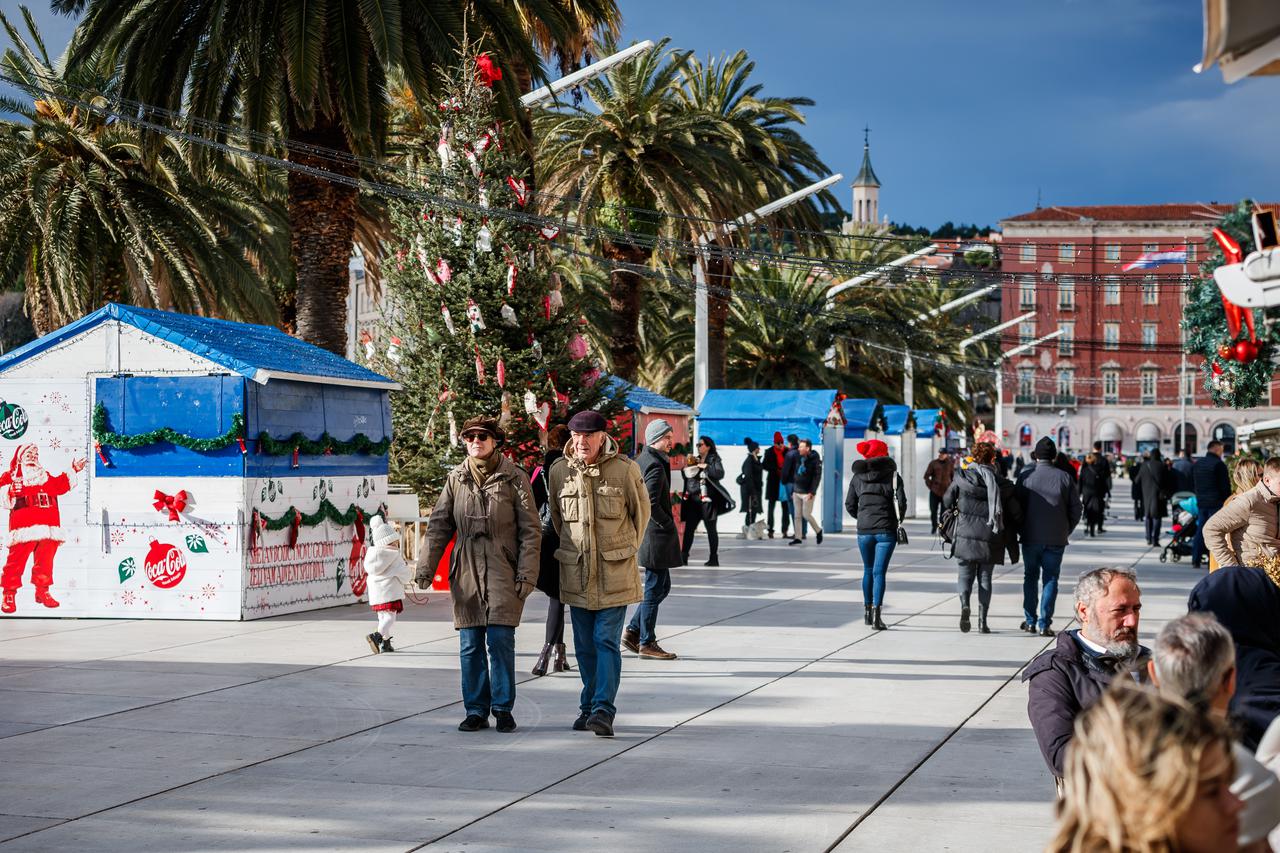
(986, 528)
(877, 501)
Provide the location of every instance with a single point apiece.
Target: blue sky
(974, 107)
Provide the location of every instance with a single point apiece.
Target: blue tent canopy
(729, 415)
(897, 419)
(927, 421)
(860, 415)
(643, 400)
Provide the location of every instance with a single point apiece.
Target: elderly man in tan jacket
(600, 508)
(1247, 529)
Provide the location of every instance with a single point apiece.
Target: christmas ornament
(504, 419)
(549, 232)
(535, 346)
(546, 306)
(453, 104)
(1216, 369)
(487, 73)
(448, 321)
(530, 402)
(172, 504)
(1225, 352)
(393, 350)
(479, 367)
(442, 149)
(591, 377)
(520, 189)
(511, 278)
(484, 239)
(97, 448)
(501, 372)
(474, 162)
(165, 565)
(367, 340)
(543, 416)
(295, 525)
(443, 271)
(484, 199)
(555, 298)
(447, 395)
(1245, 351)
(482, 142)
(508, 315)
(577, 347)
(473, 314)
(454, 230)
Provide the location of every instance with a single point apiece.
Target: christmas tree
(1237, 362)
(476, 322)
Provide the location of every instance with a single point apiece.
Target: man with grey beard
(1068, 678)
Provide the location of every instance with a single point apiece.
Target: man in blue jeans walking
(1051, 509)
(601, 509)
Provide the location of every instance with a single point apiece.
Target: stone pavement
(785, 725)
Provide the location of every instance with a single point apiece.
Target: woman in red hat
(877, 502)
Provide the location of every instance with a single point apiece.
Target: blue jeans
(1041, 563)
(492, 685)
(657, 584)
(597, 636)
(876, 550)
(1197, 544)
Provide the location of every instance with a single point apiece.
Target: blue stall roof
(860, 415)
(927, 421)
(643, 400)
(897, 418)
(730, 415)
(260, 353)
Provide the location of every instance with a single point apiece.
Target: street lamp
(701, 366)
(973, 339)
(999, 365)
(908, 367)
(550, 90)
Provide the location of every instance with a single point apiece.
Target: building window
(1026, 382)
(1027, 291)
(1148, 386)
(1110, 386)
(1066, 383)
(1028, 253)
(1189, 387)
(1113, 253)
(1150, 247)
(1111, 336)
(1066, 293)
(1066, 342)
(1066, 252)
(1111, 290)
(1191, 252)
(1026, 332)
(1150, 290)
(1149, 335)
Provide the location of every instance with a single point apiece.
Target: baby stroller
(1182, 530)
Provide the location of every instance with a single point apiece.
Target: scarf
(778, 454)
(995, 512)
(482, 469)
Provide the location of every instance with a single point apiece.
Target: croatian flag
(1151, 260)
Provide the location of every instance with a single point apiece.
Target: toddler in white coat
(387, 575)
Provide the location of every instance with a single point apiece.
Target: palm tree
(313, 72)
(85, 218)
(778, 159)
(642, 149)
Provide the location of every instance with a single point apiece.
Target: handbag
(902, 531)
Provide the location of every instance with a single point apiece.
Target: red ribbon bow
(174, 504)
(487, 72)
(1236, 314)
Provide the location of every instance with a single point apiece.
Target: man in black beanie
(1051, 509)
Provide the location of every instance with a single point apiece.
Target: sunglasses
(477, 436)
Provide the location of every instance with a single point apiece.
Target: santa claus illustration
(34, 524)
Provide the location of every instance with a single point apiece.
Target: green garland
(326, 511)
(359, 443)
(105, 437)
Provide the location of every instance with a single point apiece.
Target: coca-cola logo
(165, 565)
(13, 420)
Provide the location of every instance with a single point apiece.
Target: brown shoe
(655, 652)
(631, 640)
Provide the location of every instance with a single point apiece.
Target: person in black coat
(703, 499)
(751, 482)
(1102, 466)
(548, 566)
(1155, 483)
(790, 462)
(1246, 600)
(1212, 487)
(774, 491)
(986, 528)
(877, 502)
(660, 548)
(1094, 495)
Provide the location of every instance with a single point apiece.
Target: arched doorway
(1064, 437)
(1146, 437)
(1111, 435)
(1191, 442)
(1225, 433)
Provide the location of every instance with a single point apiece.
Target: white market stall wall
(120, 555)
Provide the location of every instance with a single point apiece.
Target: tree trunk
(719, 295)
(322, 219)
(625, 288)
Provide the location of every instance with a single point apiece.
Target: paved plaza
(786, 724)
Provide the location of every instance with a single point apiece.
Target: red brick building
(1114, 375)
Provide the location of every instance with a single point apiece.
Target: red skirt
(393, 606)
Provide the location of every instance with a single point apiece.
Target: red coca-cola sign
(165, 565)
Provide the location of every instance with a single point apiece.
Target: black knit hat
(1045, 449)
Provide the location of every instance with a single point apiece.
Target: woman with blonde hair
(1248, 473)
(1147, 774)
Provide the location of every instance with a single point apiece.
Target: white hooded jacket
(388, 573)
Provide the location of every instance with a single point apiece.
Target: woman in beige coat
(488, 504)
(1247, 474)
(1245, 531)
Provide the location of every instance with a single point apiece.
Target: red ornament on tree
(486, 72)
(1216, 368)
(1225, 352)
(165, 565)
(1245, 351)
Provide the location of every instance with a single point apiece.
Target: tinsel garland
(326, 511)
(325, 444)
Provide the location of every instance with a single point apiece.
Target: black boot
(982, 620)
(544, 658)
(866, 615)
(561, 659)
(876, 622)
(964, 619)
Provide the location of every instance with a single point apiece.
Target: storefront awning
(1242, 36)
(1147, 432)
(1110, 431)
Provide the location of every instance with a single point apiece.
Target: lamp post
(701, 371)
(862, 278)
(999, 365)
(908, 367)
(973, 339)
(553, 88)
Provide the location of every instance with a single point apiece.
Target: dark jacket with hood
(660, 548)
(1246, 602)
(808, 474)
(1050, 504)
(752, 481)
(548, 565)
(1212, 483)
(873, 491)
(975, 540)
(1065, 681)
(1155, 483)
